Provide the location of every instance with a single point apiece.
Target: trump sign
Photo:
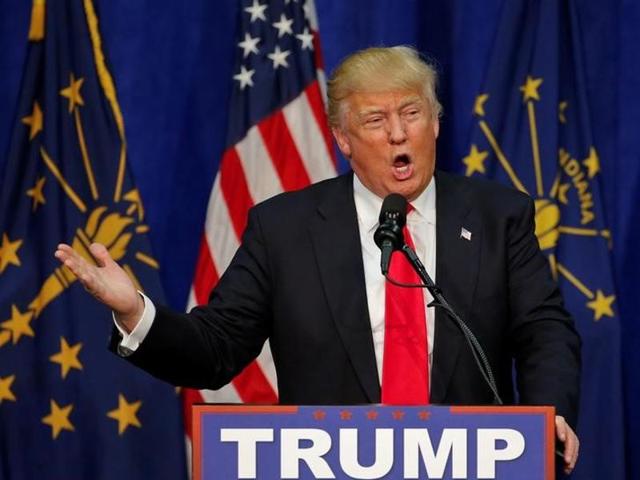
(372, 442)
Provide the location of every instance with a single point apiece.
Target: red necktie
(405, 366)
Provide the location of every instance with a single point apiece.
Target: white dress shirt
(421, 222)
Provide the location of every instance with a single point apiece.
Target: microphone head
(394, 208)
(393, 216)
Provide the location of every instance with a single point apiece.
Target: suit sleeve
(545, 343)
(208, 346)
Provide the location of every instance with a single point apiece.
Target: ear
(342, 139)
(436, 127)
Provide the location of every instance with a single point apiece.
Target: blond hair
(380, 69)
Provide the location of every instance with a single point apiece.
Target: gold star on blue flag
(66, 180)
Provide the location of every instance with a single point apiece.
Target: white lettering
(453, 443)
(488, 454)
(291, 452)
(383, 460)
(247, 439)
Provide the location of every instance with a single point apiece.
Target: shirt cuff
(131, 341)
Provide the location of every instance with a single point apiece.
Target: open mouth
(402, 167)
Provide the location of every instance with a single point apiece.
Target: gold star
(530, 89)
(561, 108)
(34, 121)
(19, 324)
(478, 106)
(125, 414)
(58, 419)
(8, 252)
(475, 161)
(72, 92)
(36, 193)
(5, 388)
(601, 305)
(67, 357)
(592, 162)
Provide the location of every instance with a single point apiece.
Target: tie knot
(410, 208)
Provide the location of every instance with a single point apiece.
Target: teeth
(402, 169)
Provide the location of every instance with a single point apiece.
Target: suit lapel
(457, 261)
(336, 241)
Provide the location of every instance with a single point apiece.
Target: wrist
(128, 321)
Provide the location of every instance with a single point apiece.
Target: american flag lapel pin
(466, 234)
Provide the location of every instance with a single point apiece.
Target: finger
(63, 251)
(571, 450)
(77, 266)
(101, 254)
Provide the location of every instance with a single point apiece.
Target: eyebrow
(410, 100)
(403, 104)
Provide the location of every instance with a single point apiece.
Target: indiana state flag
(532, 131)
(69, 409)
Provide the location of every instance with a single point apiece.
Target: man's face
(390, 140)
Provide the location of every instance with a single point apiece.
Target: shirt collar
(368, 204)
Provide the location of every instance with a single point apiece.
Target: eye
(373, 121)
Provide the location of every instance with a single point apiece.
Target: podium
(372, 442)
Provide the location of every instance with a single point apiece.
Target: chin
(410, 192)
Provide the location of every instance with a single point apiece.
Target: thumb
(561, 428)
(100, 254)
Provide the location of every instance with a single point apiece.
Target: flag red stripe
(235, 190)
(253, 387)
(317, 107)
(283, 152)
(206, 275)
(189, 397)
(317, 51)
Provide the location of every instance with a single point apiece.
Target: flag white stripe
(189, 449)
(191, 301)
(322, 81)
(312, 16)
(265, 360)
(261, 176)
(226, 394)
(308, 139)
(219, 231)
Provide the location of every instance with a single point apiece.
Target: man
(307, 278)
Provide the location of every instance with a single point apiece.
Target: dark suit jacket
(298, 280)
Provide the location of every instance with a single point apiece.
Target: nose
(397, 130)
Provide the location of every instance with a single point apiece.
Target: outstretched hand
(106, 281)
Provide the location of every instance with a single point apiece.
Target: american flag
(278, 140)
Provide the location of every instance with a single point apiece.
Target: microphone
(388, 236)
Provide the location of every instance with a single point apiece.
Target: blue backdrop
(172, 63)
